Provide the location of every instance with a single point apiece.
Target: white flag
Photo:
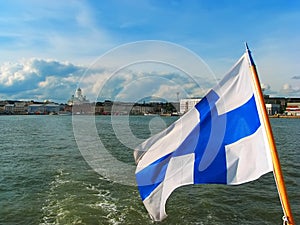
(222, 140)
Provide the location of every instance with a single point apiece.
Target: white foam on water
(68, 201)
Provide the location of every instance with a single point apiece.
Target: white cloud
(41, 79)
(16, 73)
(265, 87)
(290, 90)
(136, 85)
(38, 78)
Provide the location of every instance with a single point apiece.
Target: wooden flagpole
(275, 159)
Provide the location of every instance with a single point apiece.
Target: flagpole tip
(251, 61)
(246, 45)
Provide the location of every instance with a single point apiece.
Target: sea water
(45, 177)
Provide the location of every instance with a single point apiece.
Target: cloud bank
(48, 79)
(38, 79)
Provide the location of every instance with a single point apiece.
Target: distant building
(99, 108)
(293, 109)
(13, 107)
(81, 105)
(272, 109)
(36, 109)
(121, 108)
(107, 107)
(50, 108)
(281, 101)
(9, 108)
(187, 104)
(78, 98)
(142, 109)
(20, 108)
(2, 106)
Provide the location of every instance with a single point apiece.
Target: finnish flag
(222, 140)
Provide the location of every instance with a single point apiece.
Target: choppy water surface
(44, 179)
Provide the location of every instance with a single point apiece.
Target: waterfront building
(142, 109)
(281, 101)
(80, 104)
(13, 107)
(9, 108)
(36, 109)
(50, 108)
(78, 98)
(99, 108)
(2, 106)
(187, 104)
(293, 109)
(20, 108)
(272, 109)
(107, 107)
(121, 108)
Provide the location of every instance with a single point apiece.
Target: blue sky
(48, 48)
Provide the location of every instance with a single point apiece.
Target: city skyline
(48, 47)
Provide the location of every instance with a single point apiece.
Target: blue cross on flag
(222, 140)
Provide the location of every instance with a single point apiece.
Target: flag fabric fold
(222, 140)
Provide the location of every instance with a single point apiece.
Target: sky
(130, 49)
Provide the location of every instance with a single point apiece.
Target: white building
(78, 98)
(272, 109)
(187, 104)
(9, 108)
(36, 109)
(51, 108)
(20, 108)
(43, 108)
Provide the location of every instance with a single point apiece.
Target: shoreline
(163, 115)
(285, 117)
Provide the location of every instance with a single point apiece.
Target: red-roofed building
(293, 109)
